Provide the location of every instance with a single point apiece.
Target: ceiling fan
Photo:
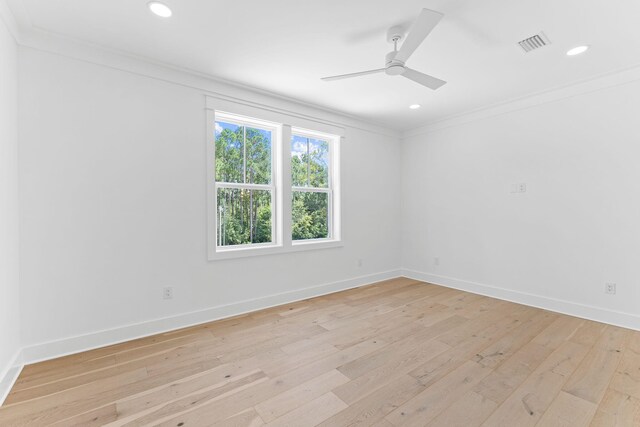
(395, 61)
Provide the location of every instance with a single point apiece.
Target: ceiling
(285, 46)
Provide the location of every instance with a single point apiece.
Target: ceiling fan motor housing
(393, 67)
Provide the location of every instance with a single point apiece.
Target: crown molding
(10, 21)
(581, 87)
(28, 35)
(208, 84)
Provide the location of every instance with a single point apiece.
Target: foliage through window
(311, 179)
(255, 206)
(244, 183)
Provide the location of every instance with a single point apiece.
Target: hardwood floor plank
(398, 352)
(373, 407)
(483, 321)
(627, 376)
(395, 365)
(591, 379)
(245, 399)
(212, 384)
(514, 370)
(248, 418)
(428, 404)
(283, 403)
(311, 413)
(501, 383)
(95, 375)
(506, 346)
(526, 405)
(200, 398)
(567, 410)
(588, 333)
(289, 362)
(469, 410)
(617, 410)
(96, 417)
(68, 403)
(374, 360)
(498, 385)
(449, 360)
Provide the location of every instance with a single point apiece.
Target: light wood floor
(396, 353)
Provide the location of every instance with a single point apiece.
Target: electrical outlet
(436, 261)
(167, 293)
(359, 262)
(518, 188)
(610, 288)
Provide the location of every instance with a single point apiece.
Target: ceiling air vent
(534, 42)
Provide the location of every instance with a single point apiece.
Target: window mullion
(312, 189)
(241, 186)
(308, 164)
(287, 188)
(244, 153)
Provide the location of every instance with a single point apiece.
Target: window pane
(318, 163)
(310, 215)
(229, 152)
(299, 162)
(244, 216)
(258, 156)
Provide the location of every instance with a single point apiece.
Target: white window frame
(275, 130)
(281, 187)
(333, 214)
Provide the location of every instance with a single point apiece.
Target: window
(244, 177)
(310, 179)
(268, 196)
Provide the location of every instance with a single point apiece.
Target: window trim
(282, 192)
(333, 230)
(276, 131)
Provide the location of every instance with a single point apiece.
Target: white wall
(113, 206)
(9, 292)
(113, 200)
(576, 227)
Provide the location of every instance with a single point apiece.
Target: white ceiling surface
(285, 46)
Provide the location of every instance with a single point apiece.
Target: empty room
(320, 213)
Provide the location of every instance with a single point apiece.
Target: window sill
(274, 250)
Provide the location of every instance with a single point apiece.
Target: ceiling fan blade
(347, 76)
(426, 22)
(423, 79)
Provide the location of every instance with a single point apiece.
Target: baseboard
(10, 375)
(50, 350)
(617, 318)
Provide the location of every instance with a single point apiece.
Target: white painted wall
(576, 227)
(113, 205)
(113, 193)
(9, 292)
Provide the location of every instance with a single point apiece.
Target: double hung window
(258, 208)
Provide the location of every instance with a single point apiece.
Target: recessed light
(577, 50)
(414, 106)
(160, 9)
